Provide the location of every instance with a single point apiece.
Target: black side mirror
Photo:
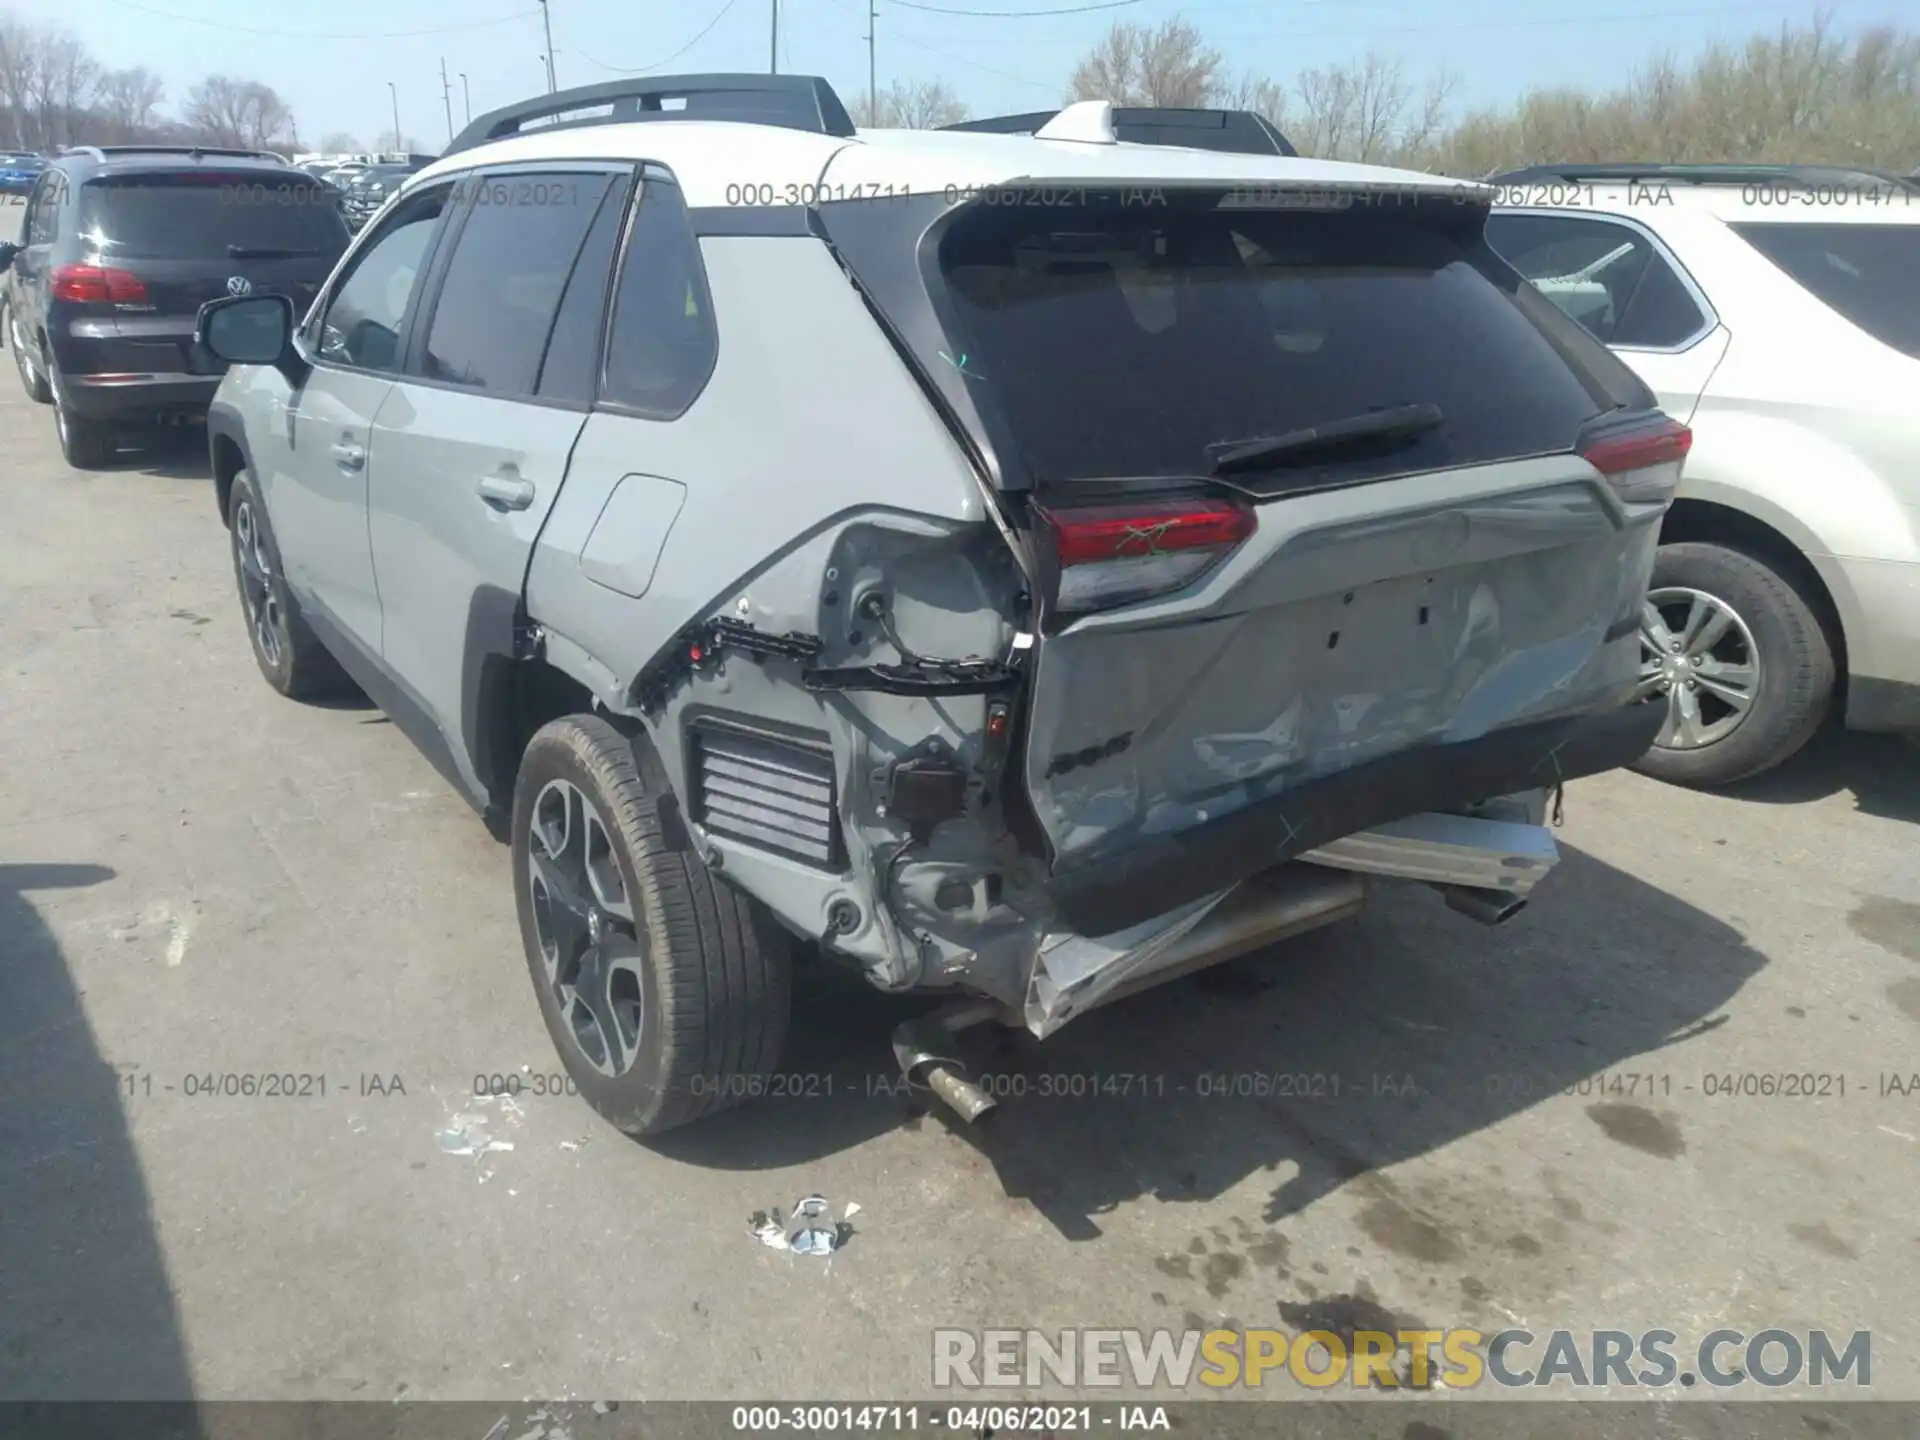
(7, 251)
(250, 330)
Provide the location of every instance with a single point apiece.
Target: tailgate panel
(1315, 659)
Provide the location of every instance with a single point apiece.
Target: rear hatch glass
(1868, 273)
(1125, 340)
(213, 217)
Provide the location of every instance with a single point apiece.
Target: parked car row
(118, 249)
(19, 170)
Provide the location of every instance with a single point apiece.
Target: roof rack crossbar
(792, 102)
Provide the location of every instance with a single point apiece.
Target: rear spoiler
(1238, 132)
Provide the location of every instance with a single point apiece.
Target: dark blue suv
(118, 250)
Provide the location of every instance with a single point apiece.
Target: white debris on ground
(809, 1230)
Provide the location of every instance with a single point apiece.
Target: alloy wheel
(1700, 655)
(584, 921)
(256, 583)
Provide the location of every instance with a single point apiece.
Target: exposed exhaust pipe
(928, 1056)
(1489, 907)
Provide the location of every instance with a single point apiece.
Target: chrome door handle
(509, 492)
(349, 456)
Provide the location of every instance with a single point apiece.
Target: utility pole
(773, 47)
(546, 22)
(399, 141)
(873, 94)
(466, 96)
(446, 94)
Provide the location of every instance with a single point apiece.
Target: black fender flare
(224, 424)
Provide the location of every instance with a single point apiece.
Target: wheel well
(1702, 520)
(228, 461)
(533, 694)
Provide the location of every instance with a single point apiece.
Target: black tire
(31, 380)
(712, 972)
(1796, 666)
(85, 443)
(289, 654)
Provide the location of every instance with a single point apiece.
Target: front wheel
(665, 992)
(290, 655)
(1740, 660)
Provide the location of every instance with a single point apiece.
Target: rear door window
(510, 265)
(1868, 273)
(203, 215)
(1124, 340)
(1610, 278)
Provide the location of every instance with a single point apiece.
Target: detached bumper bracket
(1100, 897)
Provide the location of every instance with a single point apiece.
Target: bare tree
(911, 105)
(1368, 111)
(52, 78)
(390, 142)
(125, 102)
(247, 113)
(339, 142)
(1169, 64)
(1258, 94)
(19, 47)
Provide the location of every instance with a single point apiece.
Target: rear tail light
(1115, 554)
(1641, 464)
(96, 283)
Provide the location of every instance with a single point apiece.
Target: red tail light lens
(98, 283)
(1642, 465)
(1116, 554)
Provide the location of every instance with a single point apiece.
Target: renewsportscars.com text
(1459, 1359)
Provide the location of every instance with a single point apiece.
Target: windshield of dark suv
(170, 216)
(1139, 339)
(1869, 273)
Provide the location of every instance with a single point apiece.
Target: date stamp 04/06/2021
(1787, 1084)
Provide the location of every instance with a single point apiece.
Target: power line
(313, 35)
(1743, 8)
(643, 69)
(1013, 14)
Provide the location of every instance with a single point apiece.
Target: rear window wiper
(269, 252)
(1262, 451)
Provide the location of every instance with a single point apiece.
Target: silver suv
(1022, 567)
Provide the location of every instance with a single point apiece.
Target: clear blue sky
(323, 57)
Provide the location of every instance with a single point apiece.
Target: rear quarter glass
(1869, 274)
(1109, 338)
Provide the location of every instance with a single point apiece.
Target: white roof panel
(728, 163)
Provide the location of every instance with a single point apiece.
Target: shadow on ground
(1881, 772)
(88, 1313)
(1327, 1057)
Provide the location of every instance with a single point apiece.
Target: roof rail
(91, 151)
(1800, 176)
(1243, 132)
(793, 102)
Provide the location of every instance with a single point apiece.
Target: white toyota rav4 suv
(1776, 310)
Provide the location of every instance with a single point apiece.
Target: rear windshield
(184, 217)
(1123, 339)
(1869, 273)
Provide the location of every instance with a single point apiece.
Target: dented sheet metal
(1073, 973)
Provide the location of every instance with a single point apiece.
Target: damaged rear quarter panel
(811, 452)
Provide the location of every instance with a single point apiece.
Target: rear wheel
(85, 443)
(289, 654)
(1741, 661)
(665, 992)
(31, 380)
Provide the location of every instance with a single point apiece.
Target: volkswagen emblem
(238, 285)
